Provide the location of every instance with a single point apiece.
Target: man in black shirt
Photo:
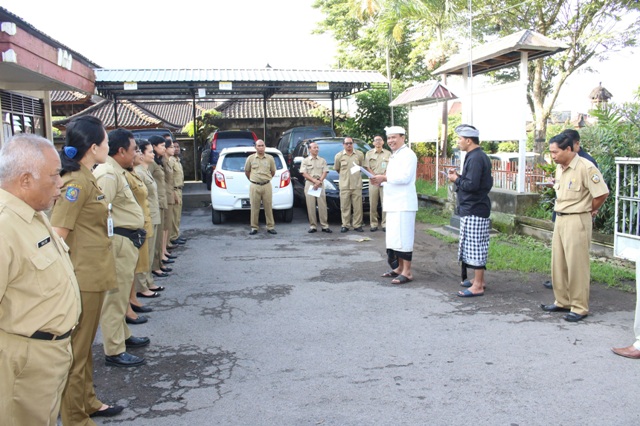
(474, 208)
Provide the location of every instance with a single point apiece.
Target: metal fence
(627, 217)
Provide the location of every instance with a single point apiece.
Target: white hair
(23, 153)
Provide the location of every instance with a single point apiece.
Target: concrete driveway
(299, 329)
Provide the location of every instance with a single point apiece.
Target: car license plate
(245, 203)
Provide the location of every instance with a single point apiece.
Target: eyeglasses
(348, 143)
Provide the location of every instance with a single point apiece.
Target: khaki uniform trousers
(158, 253)
(112, 321)
(376, 193)
(570, 268)
(79, 398)
(351, 198)
(262, 193)
(174, 232)
(32, 376)
(144, 280)
(311, 208)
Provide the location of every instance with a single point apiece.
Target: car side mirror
(298, 160)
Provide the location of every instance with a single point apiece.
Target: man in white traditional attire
(400, 204)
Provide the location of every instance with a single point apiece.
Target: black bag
(138, 237)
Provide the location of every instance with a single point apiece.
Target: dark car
(291, 138)
(147, 133)
(218, 141)
(329, 147)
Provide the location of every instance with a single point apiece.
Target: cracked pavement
(300, 329)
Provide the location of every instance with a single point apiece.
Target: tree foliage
(204, 124)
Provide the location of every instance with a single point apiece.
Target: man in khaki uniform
(127, 218)
(178, 184)
(39, 296)
(259, 169)
(314, 169)
(375, 161)
(580, 191)
(350, 185)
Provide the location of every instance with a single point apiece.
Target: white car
(230, 186)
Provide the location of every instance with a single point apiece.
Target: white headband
(395, 130)
(467, 131)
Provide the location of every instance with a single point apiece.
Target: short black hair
(572, 134)
(563, 140)
(119, 138)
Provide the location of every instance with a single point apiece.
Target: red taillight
(285, 179)
(219, 180)
(214, 141)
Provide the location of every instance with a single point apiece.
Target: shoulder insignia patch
(72, 193)
(595, 178)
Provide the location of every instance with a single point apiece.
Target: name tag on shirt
(44, 242)
(100, 197)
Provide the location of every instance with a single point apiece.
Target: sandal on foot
(390, 274)
(401, 279)
(466, 283)
(468, 293)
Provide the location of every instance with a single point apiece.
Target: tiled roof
(129, 116)
(276, 108)
(176, 113)
(68, 96)
(425, 93)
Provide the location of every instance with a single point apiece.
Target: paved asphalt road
(299, 329)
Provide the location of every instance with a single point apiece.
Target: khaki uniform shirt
(314, 167)
(140, 193)
(38, 288)
(178, 173)
(377, 161)
(152, 193)
(577, 185)
(157, 171)
(82, 209)
(261, 169)
(343, 163)
(125, 211)
(168, 180)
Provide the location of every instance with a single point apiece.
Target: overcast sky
(237, 34)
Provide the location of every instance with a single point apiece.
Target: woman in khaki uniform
(157, 171)
(171, 194)
(144, 280)
(80, 217)
(140, 193)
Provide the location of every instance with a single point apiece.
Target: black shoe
(183, 239)
(177, 242)
(141, 309)
(343, 229)
(548, 284)
(573, 317)
(140, 320)
(164, 262)
(166, 269)
(384, 229)
(374, 228)
(160, 275)
(312, 230)
(327, 230)
(553, 308)
(170, 256)
(123, 360)
(253, 232)
(110, 411)
(359, 229)
(272, 231)
(137, 342)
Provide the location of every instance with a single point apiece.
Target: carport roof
(233, 83)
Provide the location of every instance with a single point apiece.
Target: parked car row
(224, 163)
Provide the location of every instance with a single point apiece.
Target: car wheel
(216, 216)
(287, 215)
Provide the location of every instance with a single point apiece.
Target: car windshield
(235, 161)
(328, 150)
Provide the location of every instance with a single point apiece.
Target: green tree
(373, 114)
(204, 124)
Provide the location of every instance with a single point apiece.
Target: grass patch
(538, 212)
(429, 188)
(446, 238)
(433, 216)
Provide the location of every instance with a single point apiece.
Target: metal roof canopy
(163, 84)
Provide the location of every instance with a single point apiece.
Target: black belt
(567, 214)
(259, 183)
(124, 231)
(41, 335)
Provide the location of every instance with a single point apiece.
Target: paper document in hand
(366, 172)
(355, 169)
(315, 192)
